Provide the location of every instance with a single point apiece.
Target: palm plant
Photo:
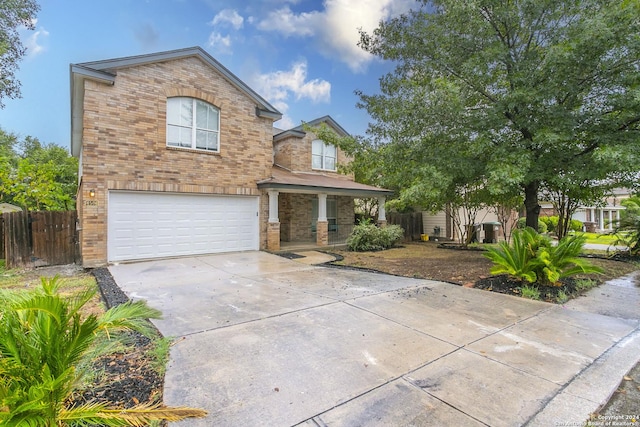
(516, 259)
(532, 258)
(45, 343)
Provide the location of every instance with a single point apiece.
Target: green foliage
(530, 292)
(542, 225)
(13, 15)
(36, 176)
(366, 236)
(562, 297)
(44, 344)
(533, 258)
(551, 223)
(160, 354)
(517, 95)
(627, 231)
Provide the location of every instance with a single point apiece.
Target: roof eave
(298, 188)
(264, 109)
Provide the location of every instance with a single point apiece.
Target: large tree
(36, 176)
(13, 15)
(507, 93)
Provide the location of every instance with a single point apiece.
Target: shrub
(532, 258)
(366, 236)
(552, 224)
(45, 342)
(522, 224)
(576, 225)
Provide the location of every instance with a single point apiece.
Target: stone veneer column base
(382, 223)
(322, 233)
(273, 236)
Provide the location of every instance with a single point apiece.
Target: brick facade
(124, 143)
(294, 153)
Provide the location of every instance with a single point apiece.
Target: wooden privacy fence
(410, 222)
(39, 238)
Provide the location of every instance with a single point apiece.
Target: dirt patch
(427, 260)
(424, 260)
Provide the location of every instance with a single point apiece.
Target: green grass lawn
(600, 239)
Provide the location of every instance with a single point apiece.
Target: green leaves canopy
(13, 14)
(36, 176)
(508, 94)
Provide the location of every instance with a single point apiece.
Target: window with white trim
(323, 155)
(193, 123)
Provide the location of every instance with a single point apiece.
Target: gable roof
(299, 132)
(105, 71)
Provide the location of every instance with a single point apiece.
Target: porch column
(610, 225)
(322, 226)
(601, 219)
(273, 227)
(382, 214)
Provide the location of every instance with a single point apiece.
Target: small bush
(576, 225)
(366, 236)
(522, 224)
(552, 224)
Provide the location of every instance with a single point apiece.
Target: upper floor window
(323, 156)
(192, 123)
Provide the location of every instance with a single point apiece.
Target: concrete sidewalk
(263, 340)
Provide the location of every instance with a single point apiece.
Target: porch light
(92, 193)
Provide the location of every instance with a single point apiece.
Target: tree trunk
(531, 204)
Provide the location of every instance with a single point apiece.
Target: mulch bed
(125, 379)
(505, 285)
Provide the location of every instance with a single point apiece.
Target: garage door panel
(151, 225)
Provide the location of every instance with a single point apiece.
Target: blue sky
(300, 55)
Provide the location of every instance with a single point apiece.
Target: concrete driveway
(264, 340)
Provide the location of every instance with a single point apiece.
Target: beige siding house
(178, 157)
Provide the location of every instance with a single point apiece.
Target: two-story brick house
(179, 157)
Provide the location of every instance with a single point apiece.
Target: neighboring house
(178, 157)
(601, 218)
(440, 225)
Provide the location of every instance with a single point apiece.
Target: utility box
(491, 231)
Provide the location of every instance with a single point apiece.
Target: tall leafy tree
(13, 15)
(507, 93)
(36, 176)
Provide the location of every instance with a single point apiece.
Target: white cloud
(220, 43)
(336, 27)
(277, 86)
(228, 16)
(33, 40)
(285, 123)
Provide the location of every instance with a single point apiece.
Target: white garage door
(152, 225)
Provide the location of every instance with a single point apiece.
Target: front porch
(308, 209)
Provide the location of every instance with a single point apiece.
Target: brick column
(273, 236)
(322, 233)
(273, 226)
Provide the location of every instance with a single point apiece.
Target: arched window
(323, 155)
(192, 123)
